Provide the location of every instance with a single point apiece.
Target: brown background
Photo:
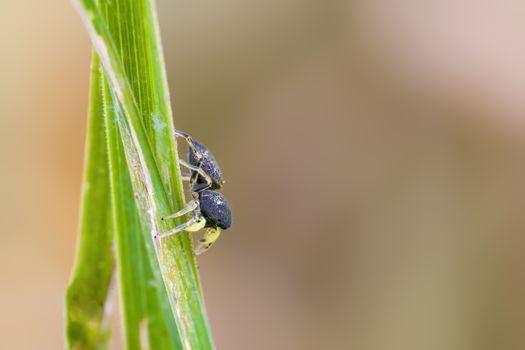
(374, 152)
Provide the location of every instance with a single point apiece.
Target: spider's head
(208, 163)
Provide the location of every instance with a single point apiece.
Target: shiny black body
(213, 206)
(208, 164)
(215, 209)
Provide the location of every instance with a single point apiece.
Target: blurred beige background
(375, 157)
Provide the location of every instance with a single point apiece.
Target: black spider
(209, 208)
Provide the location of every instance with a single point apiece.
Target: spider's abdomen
(215, 209)
(208, 164)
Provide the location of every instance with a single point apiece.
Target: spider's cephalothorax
(208, 164)
(209, 209)
(205, 172)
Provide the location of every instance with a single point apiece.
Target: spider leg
(190, 142)
(185, 177)
(197, 169)
(196, 223)
(196, 187)
(207, 240)
(190, 206)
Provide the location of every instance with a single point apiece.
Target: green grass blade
(148, 321)
(87, 326)
(125, 34)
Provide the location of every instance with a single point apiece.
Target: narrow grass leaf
(87, 324)
(148, 322)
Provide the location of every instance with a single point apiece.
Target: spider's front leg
(190, 142)
(196, 223)
(189, 207)
(197, 170)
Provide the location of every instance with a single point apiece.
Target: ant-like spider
(209, 208)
